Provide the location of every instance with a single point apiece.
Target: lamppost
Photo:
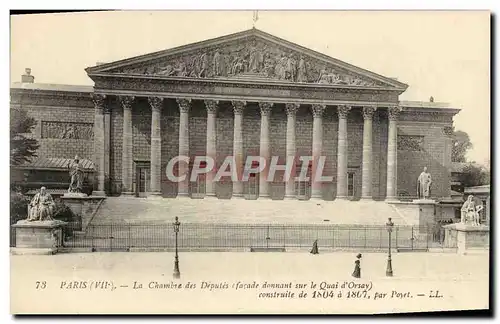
(389, 226)
(177, 273)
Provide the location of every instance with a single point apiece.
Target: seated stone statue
(41, 207)
(470, 212)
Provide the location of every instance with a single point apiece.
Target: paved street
(461, 280)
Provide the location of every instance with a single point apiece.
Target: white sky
(443, 54)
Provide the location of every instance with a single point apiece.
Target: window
(350, 184)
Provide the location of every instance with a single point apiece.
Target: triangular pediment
(250, 55)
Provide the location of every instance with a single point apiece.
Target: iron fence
(205, 236)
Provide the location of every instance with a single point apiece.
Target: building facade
(245, 94)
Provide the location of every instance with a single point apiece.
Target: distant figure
(41, 206)
(424, 182)
(431, 99)
(314, 249)
(357, 267)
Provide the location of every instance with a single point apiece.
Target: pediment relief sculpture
(257, 59)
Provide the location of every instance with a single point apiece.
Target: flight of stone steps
(133, 210)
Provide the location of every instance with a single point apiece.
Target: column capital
(155, 103)
(343, 111)
(265, 108)
(394, 112)
(368, 111)
(291, 108)
(317, 110)
(126, 101)
(184, 104)
(98, 100)
(238, 106)
(211, 106)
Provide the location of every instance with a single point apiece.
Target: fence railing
(209, 236)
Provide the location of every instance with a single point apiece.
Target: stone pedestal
(470, 237)
(76, 202)
(426, 211)
(38, 237)
(417, 213)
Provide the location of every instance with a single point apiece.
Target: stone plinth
(470, 237)
(417, 213)
(38, 237)
(78, 203)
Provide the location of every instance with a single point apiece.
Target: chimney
(27, 77)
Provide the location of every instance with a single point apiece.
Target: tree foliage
(474, 175)
(461, 144)
(22, 146)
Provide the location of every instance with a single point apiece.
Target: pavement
(444, 281)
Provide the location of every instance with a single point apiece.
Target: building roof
(477, 189)
(52, 87)
(55, 164)
(57, 192)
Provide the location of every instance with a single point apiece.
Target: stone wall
(63, 130)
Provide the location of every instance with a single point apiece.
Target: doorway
(142, 179)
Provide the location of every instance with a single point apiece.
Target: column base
(264, 197)
(98, 193)
(210, 196)
(391, 199)
(367, 198)
(155, 195)
(182, 195)
(237, 196)
(290, 198)
(342, 198)
(127, 194)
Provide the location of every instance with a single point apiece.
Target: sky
(444, 54)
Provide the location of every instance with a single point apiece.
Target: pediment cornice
(248, 56)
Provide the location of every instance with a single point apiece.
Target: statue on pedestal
(470, 212)
(41, 207)
(76, 174)
(424, 182)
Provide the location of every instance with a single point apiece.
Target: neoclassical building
(244, 94)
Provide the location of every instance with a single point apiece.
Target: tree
(474, 175)
(22, 146)
(461, 144)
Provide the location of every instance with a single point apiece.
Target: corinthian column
(156, 104)
(342, 111)
(238, 107)
(211, 106)
(127, 146)
(366, 176)
(291, 150)
(184, 105)
(392, 153)
(265, 148)
(99, 142)
(317, 147)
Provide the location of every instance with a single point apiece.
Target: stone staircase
(131, 210)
